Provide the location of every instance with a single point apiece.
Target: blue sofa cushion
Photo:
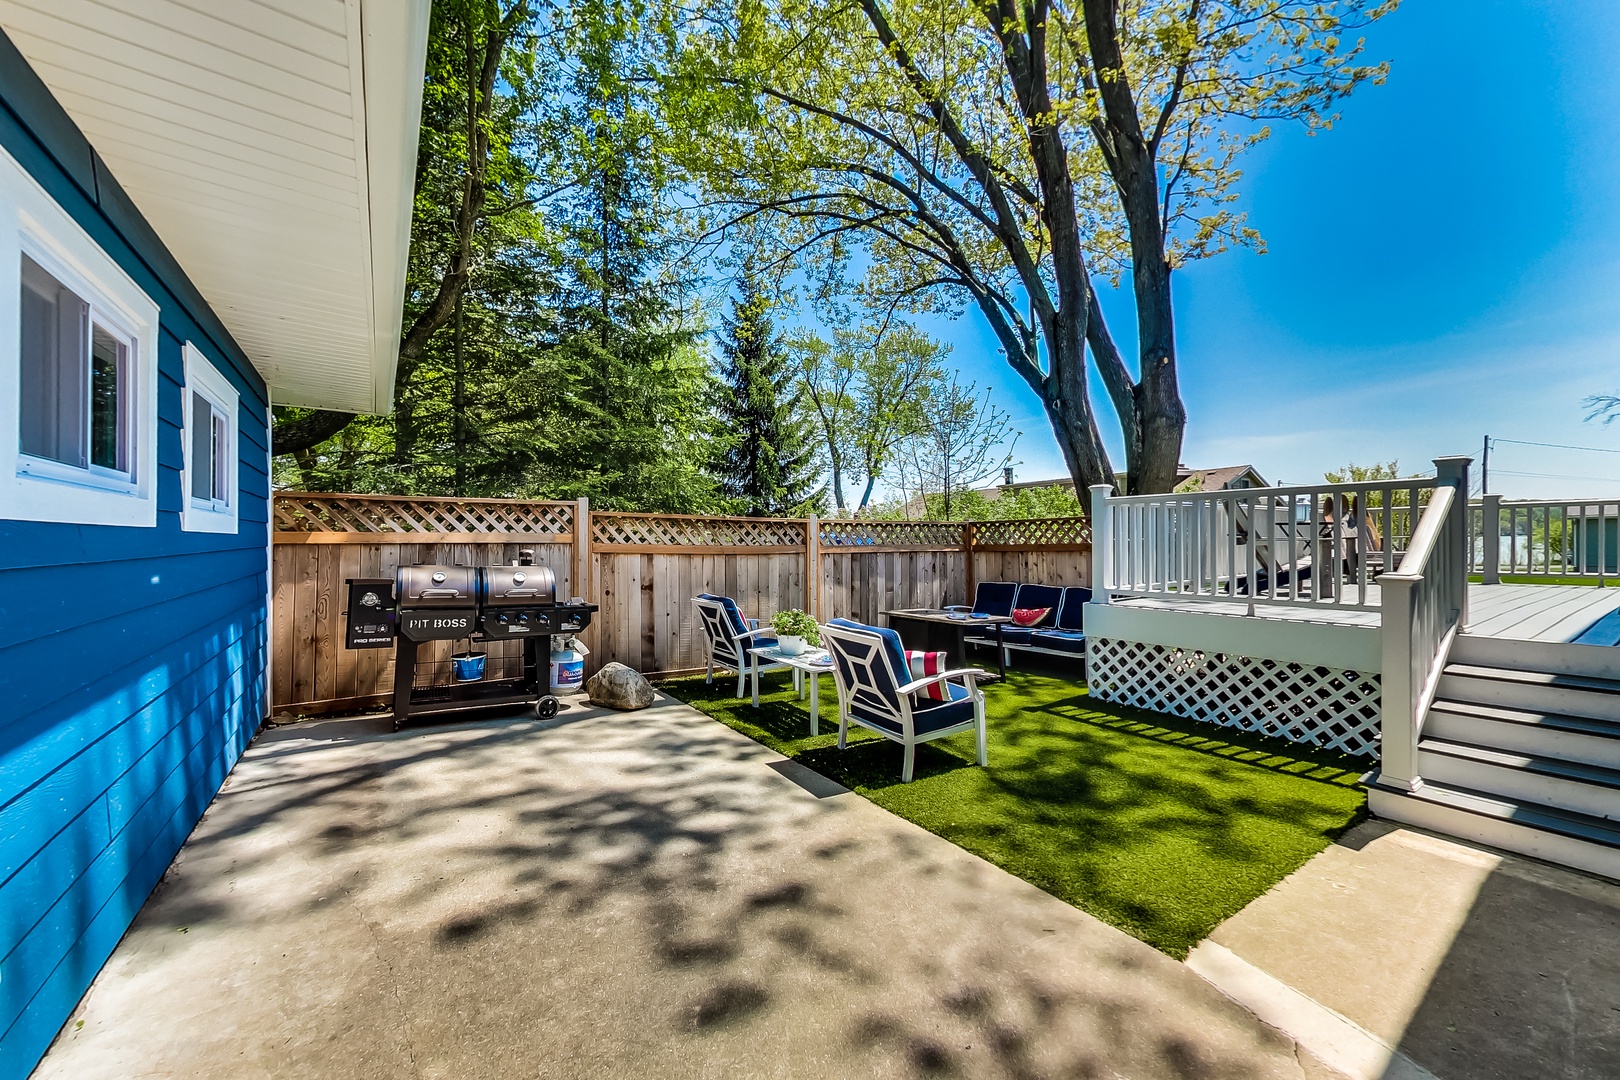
(995, 597)
(1016, 635)
(1038, 596)
(1072, 612)
(927, 714)
(1072, 641)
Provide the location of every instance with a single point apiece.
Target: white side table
(811, 662)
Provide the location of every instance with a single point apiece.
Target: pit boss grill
(424, 604)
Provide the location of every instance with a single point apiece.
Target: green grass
(1609, 581)
(1162, 827)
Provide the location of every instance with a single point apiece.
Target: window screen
(203, 465)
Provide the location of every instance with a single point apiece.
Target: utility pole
(1485, 467)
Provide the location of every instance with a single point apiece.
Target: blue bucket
(469, 667)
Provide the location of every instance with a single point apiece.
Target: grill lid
(519, 586)
(437, 586)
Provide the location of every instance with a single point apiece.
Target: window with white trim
(75, 385)
(209, 476)
(78, 370)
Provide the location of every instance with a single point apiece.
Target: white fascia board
(394, 55)
(1351, 648)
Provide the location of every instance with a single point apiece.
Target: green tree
(963, 440)
(551, 350)
(634, 383)
(866, 391)
(770, 467)
(1002, 155)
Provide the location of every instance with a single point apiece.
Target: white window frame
(213, 515)
(36, 489)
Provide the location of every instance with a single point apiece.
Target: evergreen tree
(769, 467)
(633, 381)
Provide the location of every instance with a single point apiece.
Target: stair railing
(1425, 604)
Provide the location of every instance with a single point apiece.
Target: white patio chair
(876, 692)
(730, 636)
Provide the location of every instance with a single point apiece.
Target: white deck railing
(1320, 544)
(1542, 539)
(1425, 602)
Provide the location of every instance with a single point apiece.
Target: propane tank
(567, 664)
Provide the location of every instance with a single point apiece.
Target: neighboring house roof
(272, 147)
(1216, 479)
(1219, 479)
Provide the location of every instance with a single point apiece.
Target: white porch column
(1490, 539)
(1398, 730)
(1102, 541)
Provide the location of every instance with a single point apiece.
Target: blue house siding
(132, 660)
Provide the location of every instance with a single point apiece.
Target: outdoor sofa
(1061, 632)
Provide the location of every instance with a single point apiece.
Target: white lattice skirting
(1303, 703)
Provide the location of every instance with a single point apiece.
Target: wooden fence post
(812, 567)
(967, 554)
(582, 550)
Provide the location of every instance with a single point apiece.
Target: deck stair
(1521, 751)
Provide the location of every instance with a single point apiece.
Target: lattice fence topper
(1032, 532)
(932, 534)
(303, 512)
(671, 530)
(1303, 703)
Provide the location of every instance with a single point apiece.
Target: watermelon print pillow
(1029, 616)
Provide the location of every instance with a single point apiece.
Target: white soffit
(272, 146)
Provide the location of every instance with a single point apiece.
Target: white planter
(790, 644)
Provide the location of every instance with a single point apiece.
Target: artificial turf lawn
(1162, 827)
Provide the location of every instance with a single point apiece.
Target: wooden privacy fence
(643, 569)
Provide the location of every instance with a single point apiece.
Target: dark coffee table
(928, 619)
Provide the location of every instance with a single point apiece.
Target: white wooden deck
(1522, 612)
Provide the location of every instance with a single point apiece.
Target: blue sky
(1443, 264)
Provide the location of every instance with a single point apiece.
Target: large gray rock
(619, 687)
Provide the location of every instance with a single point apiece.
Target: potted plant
(794, 630)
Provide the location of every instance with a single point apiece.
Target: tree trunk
(460, 402)
(1159, 416)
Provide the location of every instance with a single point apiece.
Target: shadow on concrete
(612, 895)
(1529, 987)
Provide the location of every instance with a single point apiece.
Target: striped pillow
(927, 663)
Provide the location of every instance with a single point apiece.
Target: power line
(1557, 446)
(1553, 476)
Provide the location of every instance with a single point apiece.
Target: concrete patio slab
(615, 895)
(1475, 964)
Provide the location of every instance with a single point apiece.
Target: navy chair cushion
(1073, 641)
(1015, 635)
(892, 647)
(995, 597)
(1072, 613)
(739, 625)
(927, 714)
